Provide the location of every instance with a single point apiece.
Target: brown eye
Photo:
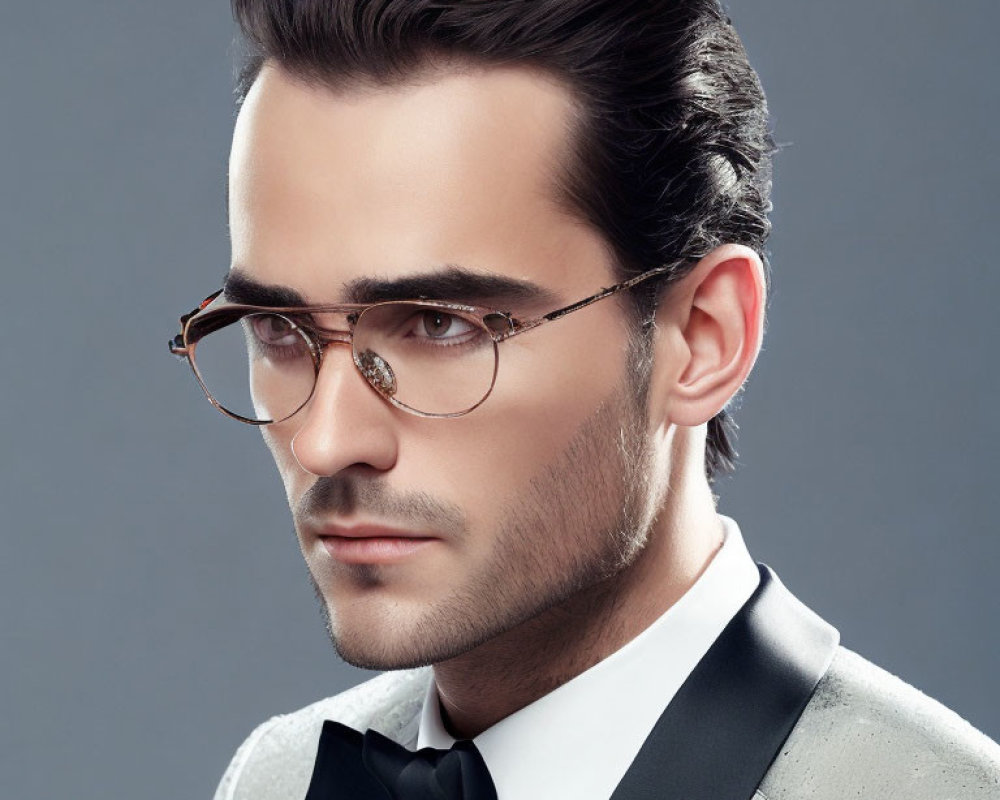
(437, 323)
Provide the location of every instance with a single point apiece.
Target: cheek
(550, 382)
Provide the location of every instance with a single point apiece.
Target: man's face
(527, 502)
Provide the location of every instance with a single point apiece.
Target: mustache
(345, 495)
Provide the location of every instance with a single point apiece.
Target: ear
(709, 331)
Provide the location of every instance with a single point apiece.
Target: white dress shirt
(578, 741)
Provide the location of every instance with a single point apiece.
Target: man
(497, 272)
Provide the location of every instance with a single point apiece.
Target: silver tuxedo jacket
(775, 710)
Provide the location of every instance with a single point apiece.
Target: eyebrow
(451, 283)
(238, 287)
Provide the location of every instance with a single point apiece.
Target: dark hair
(673, 150)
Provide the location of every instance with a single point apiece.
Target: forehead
(458, 168)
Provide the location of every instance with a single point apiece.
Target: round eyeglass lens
(257, 366)
(437, 361)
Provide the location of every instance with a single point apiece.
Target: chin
(369, 647)
(378, 658)
(377, 641)
(391, 639)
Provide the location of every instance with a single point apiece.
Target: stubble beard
(581, 521)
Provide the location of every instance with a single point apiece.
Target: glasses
(259, 365)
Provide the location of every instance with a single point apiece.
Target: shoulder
(868, 734)
(276, 759)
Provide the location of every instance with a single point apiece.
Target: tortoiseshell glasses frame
(497, 325)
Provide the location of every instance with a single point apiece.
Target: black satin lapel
(338, 773)
(723, 729)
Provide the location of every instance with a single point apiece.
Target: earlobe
(718, 313)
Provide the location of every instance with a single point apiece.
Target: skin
(571, 509)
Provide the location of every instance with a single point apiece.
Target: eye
(433, 323)
(274, 331)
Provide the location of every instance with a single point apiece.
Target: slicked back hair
(672, 150)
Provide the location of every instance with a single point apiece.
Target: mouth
(368, 544)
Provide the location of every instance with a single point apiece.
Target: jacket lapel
(718, 736)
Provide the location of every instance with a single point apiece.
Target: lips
(370, 544)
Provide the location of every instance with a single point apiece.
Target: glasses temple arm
(526, 325)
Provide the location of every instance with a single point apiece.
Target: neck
(486, 684)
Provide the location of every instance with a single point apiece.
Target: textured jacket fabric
(864, 734)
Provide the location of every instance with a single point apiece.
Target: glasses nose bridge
(323, 337)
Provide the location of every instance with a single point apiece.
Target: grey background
(153, 603)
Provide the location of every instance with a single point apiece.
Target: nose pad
(377, 372)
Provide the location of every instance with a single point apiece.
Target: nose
(345, 423)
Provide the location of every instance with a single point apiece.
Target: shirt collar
(578, 741)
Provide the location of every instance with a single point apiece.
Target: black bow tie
(372, 767)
